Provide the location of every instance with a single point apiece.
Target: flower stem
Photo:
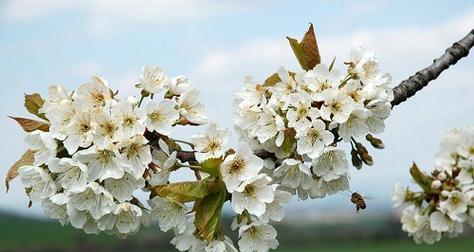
(185, 142)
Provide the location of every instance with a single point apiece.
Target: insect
(359, 200)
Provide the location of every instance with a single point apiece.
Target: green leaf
(185, 191)
(306, 51)
(421, 178)
(33, 103)
(30, 125)
(26, 159)
(208, 214)
(212, 166)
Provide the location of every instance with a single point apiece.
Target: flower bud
(442, 176)
(356, 162)
(445, 193)
(375, 142)
(436, 184)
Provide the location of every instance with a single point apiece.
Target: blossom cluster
(299, 119)
(446, 201)
(95, 154)
(254, 198)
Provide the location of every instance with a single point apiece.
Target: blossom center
(250, 190)
(155, 116)
(237, 165)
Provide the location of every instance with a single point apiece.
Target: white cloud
(122, 10)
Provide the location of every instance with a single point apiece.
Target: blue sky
(217, 43)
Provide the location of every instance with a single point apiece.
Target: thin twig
(415, 83)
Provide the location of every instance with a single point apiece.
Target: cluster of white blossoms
(299, 118)
(93, 152)
(446, 201)
(253, 197)
(96, 155)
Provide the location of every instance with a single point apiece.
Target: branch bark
(415, 83)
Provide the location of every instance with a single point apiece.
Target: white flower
(170, 215)
(455, 204)
(363, 63)
(102, 163)
(107, 130)
(355, 125)
(153, 80)
(331, 165)
(178, 85)
(225, 245)
(80, 132)
(241, 166)
(70, 174)
(321, 81)
(82, 220)
(130, 118)
(252, 195)
(337, 107)
(408, 220)
(313, 137)
(191, 108)
(39, 182)
(300, 107)
(92, 94)
(44, 145)
(161, 116)
(136, 153)
(55, 207)
(164, 162)
(122, 188)
(128, 218)
(94, 199)
(269, 125)
(293, 173)
(274, 210)
(285, 87)
(251, 95)
(59, 116)
(211, 144)
(320, 188)
(466, 175)
(379, 112)
(186, 240)
(257, 237)
(440, 222)
(398, 194)
(424, 231)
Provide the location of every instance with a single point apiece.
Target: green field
(23, 234)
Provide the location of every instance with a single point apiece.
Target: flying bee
(358, 200)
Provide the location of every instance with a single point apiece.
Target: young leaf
(272, 80)
(212, 166)
(26, 159)
(208, 214)
(185, 191)
(33, 103)
(306, 51)
(420, 177)
(30, 125)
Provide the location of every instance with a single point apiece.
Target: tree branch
(415, 83)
